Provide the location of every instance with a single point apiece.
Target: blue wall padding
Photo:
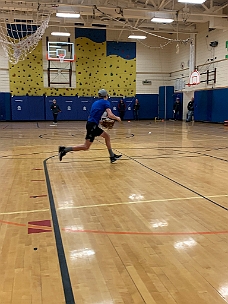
(96, 35)
(72, 107)
(203, 105)
(219, 111)
(83, 107)
(210, 105)
(2, 107)
(126, 50)
(27, 108)
(161, 103)
(36, 107)
(20, 108)
(129, 106)
(166, 101)
(78, 108)
(148, 106)
(5, 106)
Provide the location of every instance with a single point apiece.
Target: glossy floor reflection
(150, 228)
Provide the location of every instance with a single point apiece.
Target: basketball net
(61, 57)
(21, 30)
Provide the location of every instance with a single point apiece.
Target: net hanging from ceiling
(21, 30)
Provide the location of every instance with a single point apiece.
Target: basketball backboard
(56, 50)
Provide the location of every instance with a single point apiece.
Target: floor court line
(142, 202)
(66, 281)
(13, 223)
(23, 212)
(115, 204)
(174, 181)
(167, 233)
(146, 233)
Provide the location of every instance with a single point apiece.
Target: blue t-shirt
(97, 110)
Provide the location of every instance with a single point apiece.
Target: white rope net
(21, 31)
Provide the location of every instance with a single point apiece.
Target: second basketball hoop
(194, 78)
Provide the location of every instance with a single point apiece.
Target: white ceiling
(122, 15)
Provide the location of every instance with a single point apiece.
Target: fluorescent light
(136, 37)
(162, 20)
(60, 34)
(192, 1)
(67, 15)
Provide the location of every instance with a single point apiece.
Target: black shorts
(92, 131)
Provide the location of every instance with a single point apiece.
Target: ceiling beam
(205, 7)
(153, 3)
(221, 8)
(166, 3)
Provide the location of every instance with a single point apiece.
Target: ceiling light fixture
(136, 37)
(67, 15)
(162, 20)
(192, 1)
(60, 34)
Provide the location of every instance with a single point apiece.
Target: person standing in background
(121, 108)
(190, 110)
(136, 109)
(177, 109)
(55, 111)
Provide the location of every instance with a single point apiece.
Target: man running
(93, 129)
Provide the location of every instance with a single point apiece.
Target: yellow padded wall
(94, 70)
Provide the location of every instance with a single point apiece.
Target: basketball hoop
(194, 78)
(61, 57)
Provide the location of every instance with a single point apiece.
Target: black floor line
(67, 287)
(172, 180)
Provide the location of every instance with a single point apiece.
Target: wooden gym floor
(150, 228)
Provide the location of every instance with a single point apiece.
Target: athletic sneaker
(62, 152)
(114, 158)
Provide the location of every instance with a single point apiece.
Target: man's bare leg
(64, 150)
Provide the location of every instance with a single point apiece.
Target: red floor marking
(35, 196)
(146, 233)
(39, 226)
(45, 226)
(37, 169)
(12, 223)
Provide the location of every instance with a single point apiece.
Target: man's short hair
(102, 93)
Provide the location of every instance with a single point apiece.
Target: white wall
(4, 72)
(204, 53)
